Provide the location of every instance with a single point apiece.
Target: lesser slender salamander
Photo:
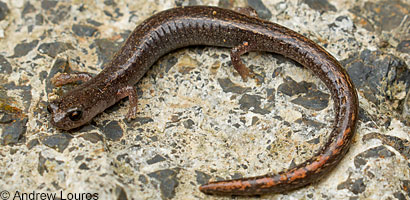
(202, 25)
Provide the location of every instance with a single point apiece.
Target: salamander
(212, 26)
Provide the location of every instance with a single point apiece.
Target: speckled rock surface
(197, 120)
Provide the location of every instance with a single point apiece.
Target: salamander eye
(75, 115)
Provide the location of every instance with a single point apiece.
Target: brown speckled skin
(200, 25)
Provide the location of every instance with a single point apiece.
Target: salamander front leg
(237, 63)
(64, 78)
(131, 93)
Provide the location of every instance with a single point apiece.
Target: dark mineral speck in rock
(179, 2)
(143, 179)
(43, 75)
(339, 25)
(33, 143)
(138, 121)
(39, 19)
(118, 13)
(5, 117)
(270, 93)
(5, 66)
(122, 195)
(201, 177)
(320, 5)
(59, 14)
(154, 138)
(228, 86)
(92, 137)
(48, 4)
(225, 4)
(87, 128)
(252, 103)
(155, 159)
(291, 87)
(383, 15)
(400, 196)
(170, 63)
(109, 3)
(314, 99)
(387, 14)
(310, 122)
(168, 181)
(372, 70)
(144, 120)
(108, 13)
(58, 142)
(261, 9)
(124, 158)
(314, 141)
(4, 10)
(28, 8)
(41, 167)
(236, 176)
(254, 120)
(83, 166)
(83, 30)
(54, 48)
(404, 46)
(341, 18)
(193, 3)
(355, 186)
(106, 49)
(93, 22)
(399, 144)
(406, 186)
(112, 131)
(188, 124)
(24, 91)
(13, 132)
(24, 48)
(375, 152)
(60, 65)
(259, 77)
(79, 158)
(363, 115)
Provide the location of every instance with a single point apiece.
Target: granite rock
(197, 120)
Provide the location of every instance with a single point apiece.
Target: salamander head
(73, 109)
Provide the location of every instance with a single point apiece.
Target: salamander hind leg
(61, 79)
(237, 63)
(131, 93)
